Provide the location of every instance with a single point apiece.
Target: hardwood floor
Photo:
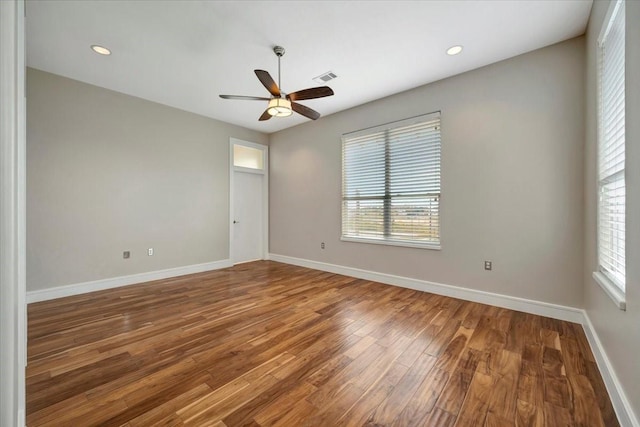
(265, 344)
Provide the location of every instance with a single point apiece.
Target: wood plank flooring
(269, 344)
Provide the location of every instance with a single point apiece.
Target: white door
(247, 216)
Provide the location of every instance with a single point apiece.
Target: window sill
(614, 292)
(392, 243)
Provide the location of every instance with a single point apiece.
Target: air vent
(325, 77)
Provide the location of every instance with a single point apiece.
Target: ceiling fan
(282, 104)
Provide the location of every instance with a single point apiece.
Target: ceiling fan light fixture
(279, 107)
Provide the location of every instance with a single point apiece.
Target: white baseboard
(540, 308)
(621, 404)
(115, 282)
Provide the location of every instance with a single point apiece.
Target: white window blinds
(391, 183)
(611, 148)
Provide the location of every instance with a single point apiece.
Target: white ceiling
(185, 53)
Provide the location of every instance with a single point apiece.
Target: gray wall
(107, 172)
(619, 331)
(512, 180)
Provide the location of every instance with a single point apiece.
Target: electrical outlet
(488, 265)
(150, 251)
(322, 245)
(126, 254)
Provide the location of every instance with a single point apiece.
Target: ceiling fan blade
(268, 82)
(246, 98)
(311, 93)
(305, 111)
(265, 116)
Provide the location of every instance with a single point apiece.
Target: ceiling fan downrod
(279, 51)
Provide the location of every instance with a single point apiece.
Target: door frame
(13, 307)
(265, 192)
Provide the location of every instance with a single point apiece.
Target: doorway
(249, 201)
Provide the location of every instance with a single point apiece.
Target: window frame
(603, 277)
(390, 127)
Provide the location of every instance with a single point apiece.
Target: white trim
(611, 289)
(116, 282)
(621, 405)
(404, 244)
(248, 170)
(265, 191)
(12, 214)
(540, 308)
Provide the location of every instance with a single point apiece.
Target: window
(248, 157)
(391, 183)
(611, 148)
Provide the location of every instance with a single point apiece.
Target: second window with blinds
(611, 155)
(391, 183)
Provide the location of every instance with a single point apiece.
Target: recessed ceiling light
(454, 50)
(100, 49)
